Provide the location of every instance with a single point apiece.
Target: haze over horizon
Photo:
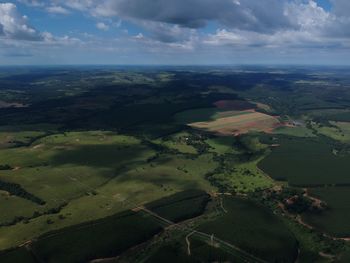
(182, 32)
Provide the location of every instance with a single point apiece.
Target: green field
(294, 131)
(79, 183)
(113, 235)
(254, 229)
(339, 131)
(335, 219)
(307, 162)
(222, 145)
(245, 177)
(180, 206)
(105, 238)
(179, 142)
(201, 251)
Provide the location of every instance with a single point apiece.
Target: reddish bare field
(240, 123)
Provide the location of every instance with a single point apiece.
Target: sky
(174, 32)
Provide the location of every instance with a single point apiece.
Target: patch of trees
(5, 167)
(25, 220)
(197, 140)
(17, 190)
(296, 201)
(222, 182)
(248, 150)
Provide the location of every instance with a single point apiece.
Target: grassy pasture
(222, 145)
(13, 207)
(294, 131)
(339, 131)
(307, 162)
(84, 189)
(114, 234)
(245, 178)
(61, 170)
(254, 229)
(13, 138)
(178, 142)
(335, 220)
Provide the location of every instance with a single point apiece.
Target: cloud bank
(168, 28)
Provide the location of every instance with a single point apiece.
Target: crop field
(254, 229)
(180, 206)
(307, 162)
(335, 219)
(105, 238)
(235, 123)
(201, 251)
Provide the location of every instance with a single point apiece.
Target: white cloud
(36, 3)
(102, 26)
(14, 25)
(81, 5)
(55, 9)
(176, 26)
(139, 36)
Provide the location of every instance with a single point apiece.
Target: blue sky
(174, 32)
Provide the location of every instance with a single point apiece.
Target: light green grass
(64, 168)
(104, 186)
(13, 206)
(294, 131)
(245, 178)
(178, 142)
(340, 131)
(11, 138)
(221, 145)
